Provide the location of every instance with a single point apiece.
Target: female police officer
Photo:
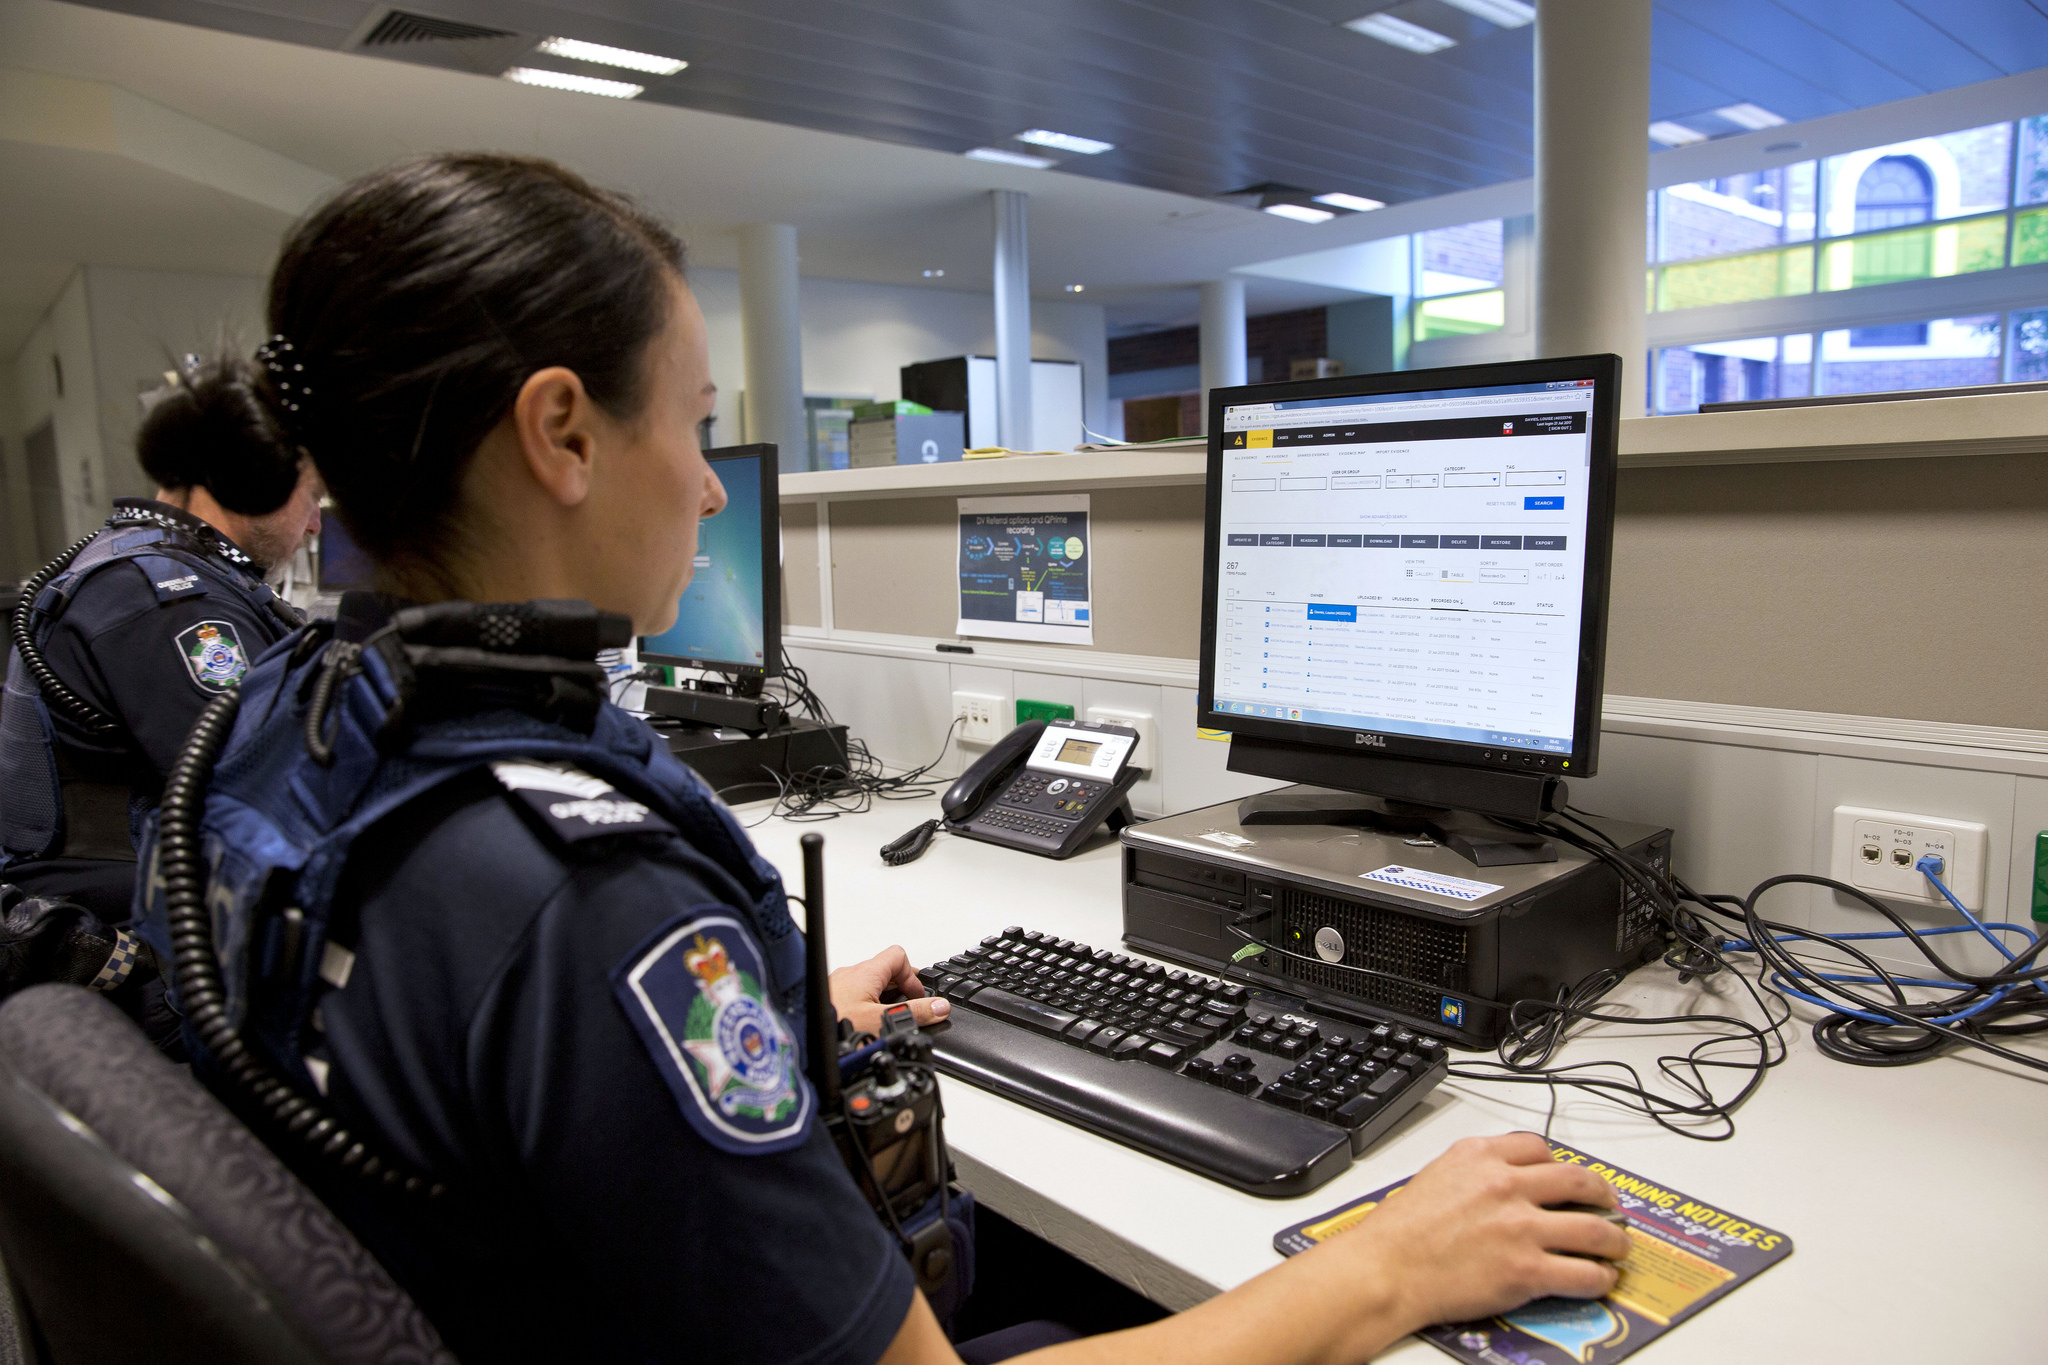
(122, 640)
(422, 869)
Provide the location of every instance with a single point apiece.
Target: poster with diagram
(1024, 569)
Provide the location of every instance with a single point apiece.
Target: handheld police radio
(879, 1099)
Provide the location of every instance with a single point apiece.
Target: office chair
(140, 1219)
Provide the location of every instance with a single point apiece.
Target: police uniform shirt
(149, 641)
(482, 1035)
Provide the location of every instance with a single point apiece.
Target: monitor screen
(343, 565)
(1414, 563)
(728, 616)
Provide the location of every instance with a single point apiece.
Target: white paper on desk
(1025, 568)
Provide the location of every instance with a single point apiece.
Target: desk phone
(1046, 788)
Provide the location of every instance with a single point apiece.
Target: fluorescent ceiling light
(1065, 142)
(1006, 158)
(1300, 213)
(1400, 33)
(1357, 203)
(582, 85)
(1506, 13)
(1674, 134)
(1749, 116)
(577, 50)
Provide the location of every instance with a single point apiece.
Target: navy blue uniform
(480, 1035)
(148, 636)
(565, 1003)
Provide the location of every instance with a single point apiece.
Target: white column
(771, 328)
(1013, 320)
(1592, 179)
(1222, 333)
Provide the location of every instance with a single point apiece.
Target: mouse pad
(1687, 1254)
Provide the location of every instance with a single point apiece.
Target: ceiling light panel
(1505, 13)
(1674, 134)
(577, 50)
(1355, 203)
(582, 85)
(1749, 116)
(1400, 33)
(1065, 142)
(1008, 158)
(1300, 213)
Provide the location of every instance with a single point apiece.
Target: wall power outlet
(980, 716)
(1879, 851)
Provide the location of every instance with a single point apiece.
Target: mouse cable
(1537, 1027)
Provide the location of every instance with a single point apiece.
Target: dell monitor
(343, 565)
(729, 619)
(1405, 594)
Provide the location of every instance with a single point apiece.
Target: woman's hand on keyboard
(857, 990)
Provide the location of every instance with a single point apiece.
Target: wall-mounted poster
(1024, 568)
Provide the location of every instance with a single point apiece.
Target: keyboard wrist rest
(1258, 1148)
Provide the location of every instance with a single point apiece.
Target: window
(1793, 244)
(1939, 354)
(1895, 190)
(2027, 345)
(1458, 273)
(1732, 372)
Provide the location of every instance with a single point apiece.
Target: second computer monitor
(1413, 568)
(729, 617)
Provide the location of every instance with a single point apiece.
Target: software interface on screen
(1407, 563)
(720, 617)
(343, 565)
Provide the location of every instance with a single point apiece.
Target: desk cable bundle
(1861, 1027)
(849, 786)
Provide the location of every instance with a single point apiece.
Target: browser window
(1407, 563)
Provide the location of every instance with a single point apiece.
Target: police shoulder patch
(575, 805)
(695, 992)
(213, 655)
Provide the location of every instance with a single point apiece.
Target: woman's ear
(556, 423)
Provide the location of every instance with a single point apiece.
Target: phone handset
(968, 794)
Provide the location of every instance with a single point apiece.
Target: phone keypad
(1069, 796)
(1022, 822)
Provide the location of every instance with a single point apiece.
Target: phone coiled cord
(55, 694)
(196, 963)
(910, 847)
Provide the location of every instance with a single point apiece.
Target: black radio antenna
(821, 1023)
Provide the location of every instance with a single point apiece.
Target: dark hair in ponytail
(215, 428)
(421, 297)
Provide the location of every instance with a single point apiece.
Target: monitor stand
(1474, 837)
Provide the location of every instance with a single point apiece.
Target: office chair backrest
(141, 1220)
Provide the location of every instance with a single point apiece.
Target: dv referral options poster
(1024, 569)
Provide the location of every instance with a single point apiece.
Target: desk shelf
(1918, 428)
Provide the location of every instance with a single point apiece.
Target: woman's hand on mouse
(1469, 1235)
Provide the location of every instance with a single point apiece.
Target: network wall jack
(1879, 851)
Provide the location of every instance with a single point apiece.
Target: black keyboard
(1241, 1085)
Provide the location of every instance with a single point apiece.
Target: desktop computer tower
(1345, 898)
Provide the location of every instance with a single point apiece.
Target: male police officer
(133, 631)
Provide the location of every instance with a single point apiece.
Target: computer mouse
(1614, 1216)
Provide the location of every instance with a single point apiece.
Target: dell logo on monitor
(1377, 741)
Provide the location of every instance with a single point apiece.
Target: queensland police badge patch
(213, 655)
(695, 992)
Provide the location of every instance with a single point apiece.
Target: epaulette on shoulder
(574, 805)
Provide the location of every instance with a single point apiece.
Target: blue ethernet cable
(1930, 867)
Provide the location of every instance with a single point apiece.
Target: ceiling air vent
(400, 26)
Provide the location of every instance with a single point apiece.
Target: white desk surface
(1913, 1195)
